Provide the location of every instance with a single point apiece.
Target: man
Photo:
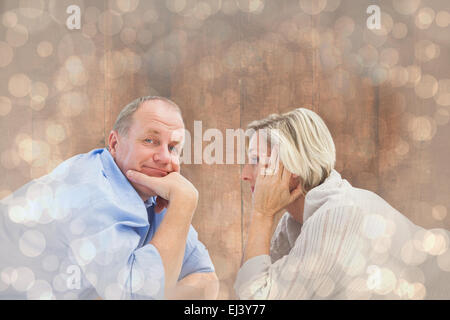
(86, 231)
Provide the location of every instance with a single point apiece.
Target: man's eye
(173, 149)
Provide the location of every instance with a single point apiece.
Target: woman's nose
(246, 173)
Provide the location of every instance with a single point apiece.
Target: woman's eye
(254, 160)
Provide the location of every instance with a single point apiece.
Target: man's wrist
(184, 203)
(190, 197)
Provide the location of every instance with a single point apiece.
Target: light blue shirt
(83, 232)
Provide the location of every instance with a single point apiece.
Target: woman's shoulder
(338, 221)
(356, 201)
(342, 204)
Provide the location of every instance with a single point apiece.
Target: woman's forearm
(259, 236)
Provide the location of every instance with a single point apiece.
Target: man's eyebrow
(153, 131)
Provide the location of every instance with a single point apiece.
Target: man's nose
(162, 155)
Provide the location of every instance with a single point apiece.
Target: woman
(334, 241)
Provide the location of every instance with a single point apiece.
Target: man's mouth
(154, 172)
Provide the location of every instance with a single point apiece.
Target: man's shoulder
(78, 177)
(78, 165)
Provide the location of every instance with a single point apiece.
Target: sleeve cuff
(149, 262)
(252, 268)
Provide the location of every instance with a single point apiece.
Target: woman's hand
(272, 193)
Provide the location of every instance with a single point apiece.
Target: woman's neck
(295, 209)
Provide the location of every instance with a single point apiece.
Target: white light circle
(25, 279)
(50, 263)
(32, 243)
(40, 290)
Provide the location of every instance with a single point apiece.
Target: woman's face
(255, 156)
(259, 152)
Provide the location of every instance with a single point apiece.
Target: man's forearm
(196, 286)
(259, 236)
(170, 239)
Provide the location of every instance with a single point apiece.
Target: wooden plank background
(384, 94)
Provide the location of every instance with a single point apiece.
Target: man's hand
(172, 187)
(161, 204)
(170, 238)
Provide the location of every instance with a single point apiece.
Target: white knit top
(352, 245)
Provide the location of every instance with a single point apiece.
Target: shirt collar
(150, 202)
(124, 191)
(330, 189)
(113, 171)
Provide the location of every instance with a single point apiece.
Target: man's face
(153, 143)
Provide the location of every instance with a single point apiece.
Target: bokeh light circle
(443, 19)
(17, 36)
(32, 243)
(9, 19)
(5, 105)
(399, 30)
(406, 7)
(442, 96)
(40, 290)
(176, 6)
(6, 54)
(24, 279)
(19, 85)
(425, 18)
(110, 23)
(427, 87)
(251, 6)
(44, 49)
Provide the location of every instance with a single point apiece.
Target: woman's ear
(294, 182)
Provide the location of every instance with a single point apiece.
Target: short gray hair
(125, 117)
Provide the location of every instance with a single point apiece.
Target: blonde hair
(306, 145)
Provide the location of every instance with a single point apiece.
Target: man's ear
(113, 142)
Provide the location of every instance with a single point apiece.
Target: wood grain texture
(226, 70)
